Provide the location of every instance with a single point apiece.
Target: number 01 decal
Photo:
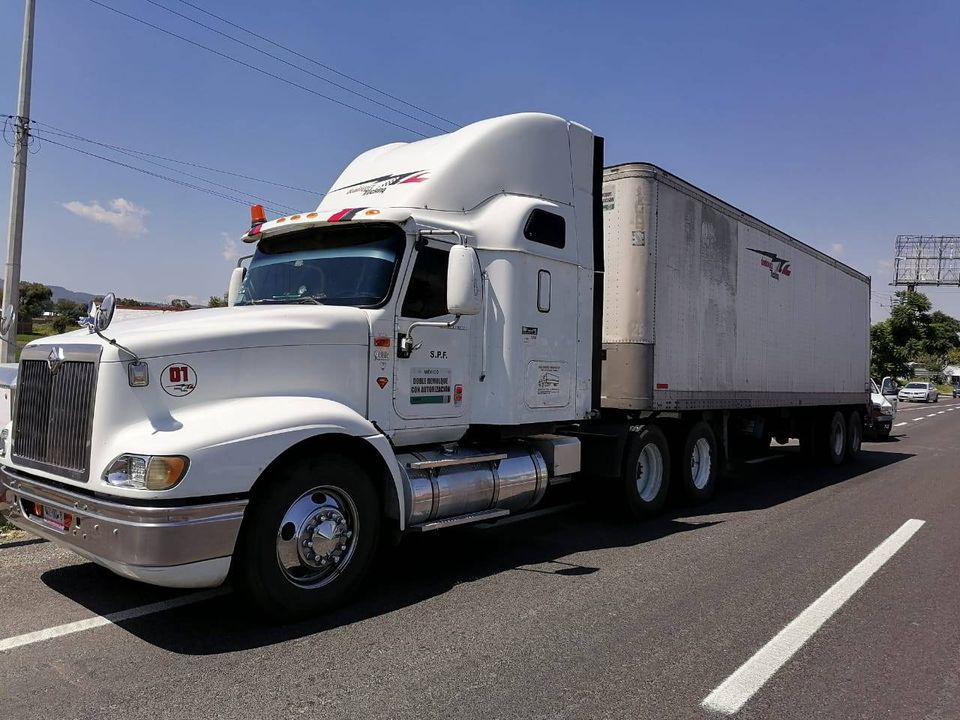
(178, 379)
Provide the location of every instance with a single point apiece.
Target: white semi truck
(464, 322)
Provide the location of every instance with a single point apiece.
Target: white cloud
(231, 251)
(124, 216)
(837, 249)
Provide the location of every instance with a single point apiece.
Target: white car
(919, 392)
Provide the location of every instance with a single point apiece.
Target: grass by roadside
(8, 532)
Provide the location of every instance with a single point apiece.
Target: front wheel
(645, 480)
(309, 538)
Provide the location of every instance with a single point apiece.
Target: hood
(229, 328)
(879, 400)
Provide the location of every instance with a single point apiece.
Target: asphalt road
(570, 615)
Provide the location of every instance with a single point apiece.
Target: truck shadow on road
(428, 566)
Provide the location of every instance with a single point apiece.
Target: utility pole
(21, 124)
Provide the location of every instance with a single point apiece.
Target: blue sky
(835, 121)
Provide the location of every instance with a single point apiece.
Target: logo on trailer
(776, 265)
(178, 379)
(377, 185)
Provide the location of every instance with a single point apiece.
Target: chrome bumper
(126, 536)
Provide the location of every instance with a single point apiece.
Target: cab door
(432, 383)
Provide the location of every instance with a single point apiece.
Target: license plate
(54, 517)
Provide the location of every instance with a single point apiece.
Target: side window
(546, 228)
(427, 291)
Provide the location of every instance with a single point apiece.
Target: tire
(645, 479)
(695, 471)
(833, 439)
(325, 499)
(936, 398)
(854, 435)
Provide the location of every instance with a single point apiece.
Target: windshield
(916, 386)
(334, 265)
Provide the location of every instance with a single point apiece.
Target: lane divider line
(932, 415)
(900, 424)
(730, 695)
(96, 621)
(917, 419)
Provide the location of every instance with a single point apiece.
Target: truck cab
(395, 360)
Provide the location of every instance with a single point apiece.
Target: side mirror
(104, 315)
(464, 281)
(7, 320)
(236, 281)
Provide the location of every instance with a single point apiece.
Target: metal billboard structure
(930, 260)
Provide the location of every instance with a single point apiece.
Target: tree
(887, 357)
(180, 304)
(66, 313)
(913, 333)
(130, 302)
(217, 301)
(34, 299)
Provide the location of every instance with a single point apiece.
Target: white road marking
(730, 695)
(917, 419)
(761, 459)
(932, 415)
(100, 620)
(941, 412)
(900, 424)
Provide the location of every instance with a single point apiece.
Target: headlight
(886, 410)
(4, 436)
(146, 472)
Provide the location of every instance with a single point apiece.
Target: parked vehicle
(919, 392)
(956, 391)
(436, 345)
(884, 403)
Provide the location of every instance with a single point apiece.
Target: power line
(257, 69)
(318, 63)
(159, 176)
(296, 67)
(43, 137)
(120, 148)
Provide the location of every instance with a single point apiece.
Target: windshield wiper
(299, 300)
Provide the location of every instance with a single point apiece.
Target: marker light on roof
(257, 215)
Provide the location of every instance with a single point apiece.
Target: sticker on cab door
(178, 379)
(429, 386)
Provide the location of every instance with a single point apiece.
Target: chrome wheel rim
(649, 472)
(838, 439)
(317, 537)
(701, 463)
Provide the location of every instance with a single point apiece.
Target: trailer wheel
(697, 464)
(854, 435)
(309, 537)
(833, 439)
(646, 472)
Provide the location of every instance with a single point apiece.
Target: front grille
(53, 417)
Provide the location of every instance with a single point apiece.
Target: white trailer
(436, 344)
